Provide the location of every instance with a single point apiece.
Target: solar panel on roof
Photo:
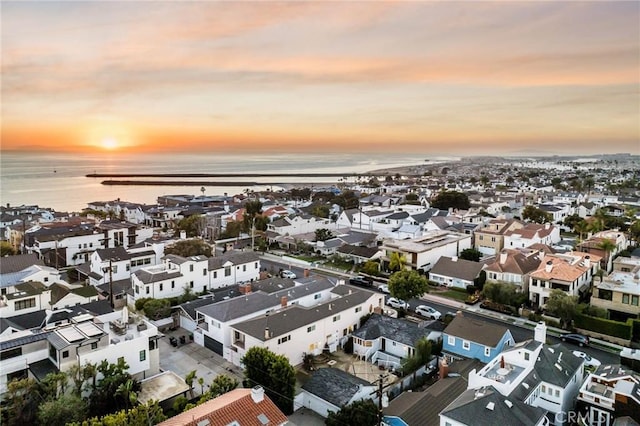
(89, 329)
(70, 334)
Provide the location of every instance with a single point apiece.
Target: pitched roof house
(470, 338)
(455, 272)
(329, 389)
(241, 407)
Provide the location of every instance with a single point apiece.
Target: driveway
(190, 356)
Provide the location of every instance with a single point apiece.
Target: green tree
(6, 249)
(104, 398)
(421, 356)
(193, 225)
(141, 415)
(62, 410)
(323, 234)
(232, 230)
(361, 413)
(20, 403)
(221, 385)
(451, 199)
(157, 308)
(634, 231)
(607, 246)
(406, 285)
(274, 373)
(563, 306)
(411, 198)
(503, 293)
(189, 379)
(320, 211)
(371, 267)
(397, 261)
(471, 254)
(534, 214)
(188, 248)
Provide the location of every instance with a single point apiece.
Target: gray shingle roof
(490, 409)
(395, 329)
(422, 408)
(481, 332)
(295, 316)
(148, 278)
(114, 254)
(24, 340)
(549, 357)
(334, 385)
(236, 258)
(238, 307)
(19, 262)
(460, 268)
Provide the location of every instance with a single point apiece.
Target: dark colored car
(361, 281)
(576, 339)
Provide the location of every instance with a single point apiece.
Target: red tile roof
(237, 405)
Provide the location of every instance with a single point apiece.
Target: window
(284, 339)
(190, 268)
(557, 393)
(244, 268)
(173, 284)
(11, 353)
(336, 318)
(65, 354)
(191, 284)
(147, 289)
(526, 356)
(487, 351)
(94, 345)
(625, 299)
(161, 286)
(137, 289)
(634, 300)
(143, 355)
(215, 274)
(25, 304)
(451, 340)
(544, 388)
(46, 279)
(256, 265)
(227, 271)
(358, 309)
(317, 296)
(204, 272)
(466, 345)
(311, 328)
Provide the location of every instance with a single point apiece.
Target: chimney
(541, 254)
(547, 225)
(540, 332)
(549, 266)
(244, 288)
(306, 273)
(183, 235)
(267, 334)
(283, 302)
(444, 369)
(503, 258)
(257, 394)
(587, 261)
(329, 306)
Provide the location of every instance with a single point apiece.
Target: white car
(429, 312)
(384, 288)
(397, 303)
(588, 361)
(288, 274)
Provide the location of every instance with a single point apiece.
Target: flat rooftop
(161, 387)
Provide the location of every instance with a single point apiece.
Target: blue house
(472, 338)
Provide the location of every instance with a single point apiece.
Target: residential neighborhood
(513, 291)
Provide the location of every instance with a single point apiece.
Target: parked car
(288, 274)
(384, 288)
(576, 339)
(397, 303)
(361, 281)
(588, 361)
(429, 312)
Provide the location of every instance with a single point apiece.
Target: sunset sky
(446, 77)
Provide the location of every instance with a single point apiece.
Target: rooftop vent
(508, 403)
(490, 406)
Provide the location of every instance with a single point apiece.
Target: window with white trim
(466, 345)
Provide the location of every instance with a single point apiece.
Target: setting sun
(109, 143)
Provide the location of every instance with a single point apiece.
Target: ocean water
(57, 180)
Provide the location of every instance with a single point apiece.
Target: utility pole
(111, 283)
(379, 393)
(253, 229)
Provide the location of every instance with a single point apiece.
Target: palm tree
(397, 261)
(188, 379)
(581, 228)
(608, 246)
(201, 383)
(125, 390)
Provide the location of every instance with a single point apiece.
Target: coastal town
(463, 293)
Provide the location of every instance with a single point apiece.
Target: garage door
(212, 344)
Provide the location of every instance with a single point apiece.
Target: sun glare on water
(110, 143)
